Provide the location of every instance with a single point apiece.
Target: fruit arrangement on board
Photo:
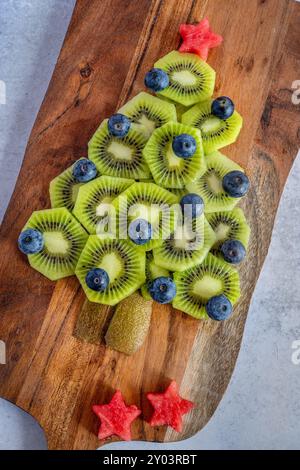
(150, 215)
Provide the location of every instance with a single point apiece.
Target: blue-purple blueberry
(97, 279)
(222, 107)
(219, 308)
(162, 289)
(31, 241)
(84, 170)
(119, 125)
(156, 80)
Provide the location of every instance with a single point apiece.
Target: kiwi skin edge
(130, 324)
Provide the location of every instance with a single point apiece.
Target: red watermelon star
(169, 407)
(198, 39)
(116, 417)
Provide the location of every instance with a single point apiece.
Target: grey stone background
(261, 408)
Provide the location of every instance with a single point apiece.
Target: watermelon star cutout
(116, 418)
(198, 39)
(169, 407)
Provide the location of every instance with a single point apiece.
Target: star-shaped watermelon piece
(169, 407)
(116, 418)
(198, 39)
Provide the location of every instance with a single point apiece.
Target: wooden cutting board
(109, 46)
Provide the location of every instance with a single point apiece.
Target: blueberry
(119, 125)
(222, 107)
(140, 231)
(162, 290)
(192, 205)
(233, 251)
(236, 183)
(31, 241)
(184, 145)
(156, 80)
(218, 307)
(97, 279)
(84, 170)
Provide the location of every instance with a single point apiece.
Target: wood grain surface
(109, 46)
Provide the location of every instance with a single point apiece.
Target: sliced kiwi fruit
(190, 78)
(147, 112)
(124, 264)
(169, 170)
(129, 326)
(152, 203)
(179, 192)
(64, 190)
(216, 133)
(180, 108)
(209, 185)
(229, 225)
(64, 239)
(94, 199)
(147, 180)
(197, 285)
(153, 271)
(120, 157)
(187, 246)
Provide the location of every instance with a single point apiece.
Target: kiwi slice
(216, 133)
(147, 112)
(209, 185)
(130, 324)
(121, 157)
(124, 264)
(169, 170)
(94, 197)
(153, 271)
(187, 246)
(64, 189)
(179, 192)
(197, 285)
(190, 78)
(152, 203)
(229, 225)
(180, 108)
(64, 239)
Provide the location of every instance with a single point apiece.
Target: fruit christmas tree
(156, 174)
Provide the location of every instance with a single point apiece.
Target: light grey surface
(261, 408)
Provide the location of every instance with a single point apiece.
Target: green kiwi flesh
(153, 271)
(190, 78)
(124, 264)
(120, 157)
(147, 112)
(196, 285)
(152, 203)
(216, 133)
(130, 324)
(168, 170)
(180, 108)
(179, 192)
(229, 225)
(209, 185)
(64, 190)
(64, 239)
(94, 199)
(187, 247)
